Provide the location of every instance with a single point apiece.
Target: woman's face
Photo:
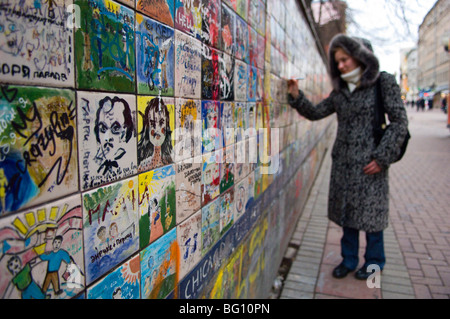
(345, 62)
(158, 129)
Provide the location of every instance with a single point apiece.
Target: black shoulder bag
(380, 121)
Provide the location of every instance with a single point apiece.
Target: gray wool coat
(357, 200)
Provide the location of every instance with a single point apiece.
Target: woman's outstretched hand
(293, 88)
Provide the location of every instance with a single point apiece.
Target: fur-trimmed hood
(361, 50)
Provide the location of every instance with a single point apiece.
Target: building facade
(433, 60)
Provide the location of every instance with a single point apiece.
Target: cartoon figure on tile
(113, 127)
(155, 139)
(41, 252)
(23, 279)
(54, 259)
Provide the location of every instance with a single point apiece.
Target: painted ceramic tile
(122, 283)
(189, 240)
(157, 203)
(227, 169)
(231, 3)
(188, 132)
(240, 81)
(188, 192)
(211, 130)
(188, 17)
(155, 55)
(130, 3)
(226, 211)
(258, 183)
(107, 133)
(210, 73)
(242, 8)
(188, 68)
(251, 187)
(251, 115)
(33, 51)
(42, 252)
(252, 46)
(241, 198)
(210, 225)
(211, 22)
(253, 12)
(38, 150)
(259, 84)
(252, 83)
(261, 25)
(260, 50)
(156, 138)
(110, 226)
(227, 33)
(226, 71)
(160, 267)
(241, 44)
(240, 121)
(105, 42)
(210, 186)
(227, 124)
(161, 10)
(241, 168)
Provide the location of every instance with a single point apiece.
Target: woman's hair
(361, 50)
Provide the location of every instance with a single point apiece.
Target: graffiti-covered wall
(147, 149)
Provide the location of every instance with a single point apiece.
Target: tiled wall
(132, 134)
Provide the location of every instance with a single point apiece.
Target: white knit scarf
(352, 78)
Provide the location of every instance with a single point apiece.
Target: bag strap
(380, 120)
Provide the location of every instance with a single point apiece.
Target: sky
(378, 21)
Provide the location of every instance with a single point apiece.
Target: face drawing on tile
(113, 128)
(11, 37)
(155, 144)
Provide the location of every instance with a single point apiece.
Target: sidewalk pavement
(417, 241)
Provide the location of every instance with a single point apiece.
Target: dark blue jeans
(374, 250)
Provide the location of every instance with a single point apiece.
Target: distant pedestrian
(430, 104)
(359, 186)
(444, 104)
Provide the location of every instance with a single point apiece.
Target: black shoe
(341, 271)
(363, 274)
